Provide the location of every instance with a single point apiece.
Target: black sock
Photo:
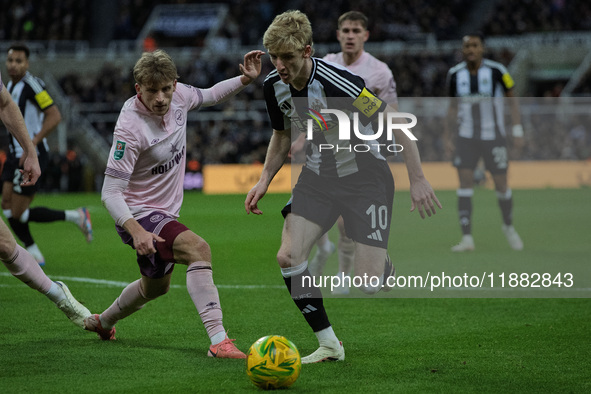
(44, 215)
(507, 210)
(308, 299)
(22, 231)
(465, 213)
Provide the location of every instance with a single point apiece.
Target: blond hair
(154, 68)
(290, 31)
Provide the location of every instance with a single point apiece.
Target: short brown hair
(290, 31)
(154, 68)
(20, 47)
(354, 16)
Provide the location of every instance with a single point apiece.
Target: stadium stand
(419, 41)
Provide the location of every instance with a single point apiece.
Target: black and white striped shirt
(32, 99)
(330, 86)
(480, 107)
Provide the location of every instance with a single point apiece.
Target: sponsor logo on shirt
(119, 150)
(176, 159)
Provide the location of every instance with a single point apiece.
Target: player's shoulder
(36, 84)
(333, 57)
(494, 65)
(370, 59)
(334, 72)
(183, 92)
(337, 79)
(457, 67)
(131, 117)
(272, 84)
(271, 78)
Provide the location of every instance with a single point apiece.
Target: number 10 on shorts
(378, 217)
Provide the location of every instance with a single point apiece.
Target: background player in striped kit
(20, 263)
(352, 34)
(41, 117)
(348, 184)
(480, 85)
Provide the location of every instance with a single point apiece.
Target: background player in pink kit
(143, 192)
(352, 34)
(20, 263)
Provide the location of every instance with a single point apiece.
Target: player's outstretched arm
(276, 154)
(517, 134)
(13, 119)
(224, 90)
(52, 117)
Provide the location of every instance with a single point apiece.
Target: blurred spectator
(45, 20)
(518, 17)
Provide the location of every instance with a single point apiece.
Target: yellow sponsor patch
(43, 99)
(367, 103)
(508, 81)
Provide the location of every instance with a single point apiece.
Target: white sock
(324, 243)
(25, 216)
(34, 250)
(327, 338)
(217, 338)
(292, 271)
(72, 215)
(55, 293)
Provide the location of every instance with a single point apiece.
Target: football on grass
(273, 362)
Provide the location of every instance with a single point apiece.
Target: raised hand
(252, 66)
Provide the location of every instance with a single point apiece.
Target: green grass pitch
(408, 342)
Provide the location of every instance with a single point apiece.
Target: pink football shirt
(149, 151)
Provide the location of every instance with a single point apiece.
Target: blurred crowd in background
(247, 20)
(245, 140)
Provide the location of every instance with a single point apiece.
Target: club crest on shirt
(119, 150)
(178, 117)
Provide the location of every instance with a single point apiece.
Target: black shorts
(364, 200)
(469, 151)
(11, 173)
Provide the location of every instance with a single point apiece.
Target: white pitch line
(114, 283)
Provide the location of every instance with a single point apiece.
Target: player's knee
(346, 244)
(284, 259)
(191, 249)
(203, 249)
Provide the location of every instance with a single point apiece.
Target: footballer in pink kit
(143, 192)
